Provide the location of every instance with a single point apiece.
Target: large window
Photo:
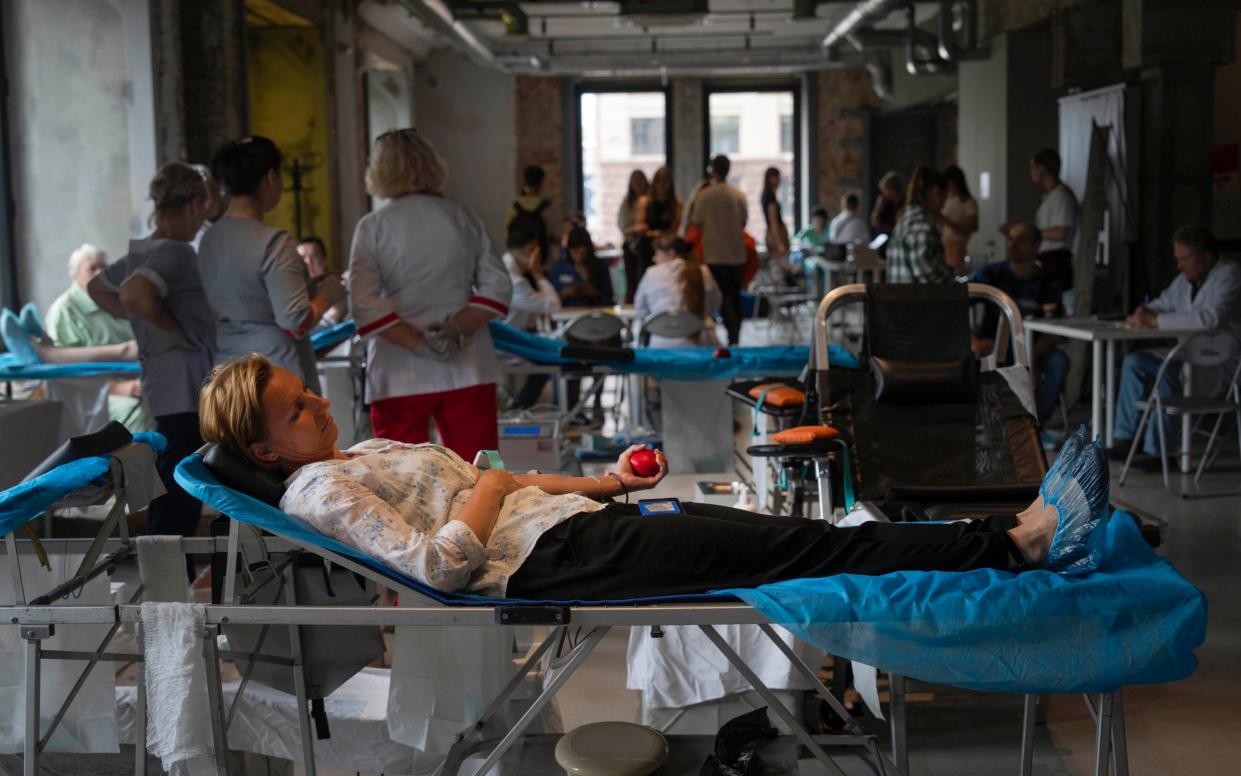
(620, 132)
(756, 131)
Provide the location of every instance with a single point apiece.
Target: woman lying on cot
(425, 512)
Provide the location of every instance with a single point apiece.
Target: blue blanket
(24, 502)
(1135, 621)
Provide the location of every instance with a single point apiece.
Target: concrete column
(1177, 49)
(688, 119)
(165, 22)
(213, 66)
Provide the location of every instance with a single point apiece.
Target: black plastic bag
(736, 753)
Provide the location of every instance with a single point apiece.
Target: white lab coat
(421, 259)
(659, 291)
(684, 668)
(529, 303)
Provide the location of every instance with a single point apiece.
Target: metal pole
(896, 706)
(578, 655)
(30, 744)
(1120, 743)
(299, 677)
(773, 702)
(215, 697)
(1103, 735)
(1027, 734)
(140, 726)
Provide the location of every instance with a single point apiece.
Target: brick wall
(841, 161)
(540, 133)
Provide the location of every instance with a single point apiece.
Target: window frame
(613, 87)
(766, 86)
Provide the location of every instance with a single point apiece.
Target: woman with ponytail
(673, 283)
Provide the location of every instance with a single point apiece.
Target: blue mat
(1135, 621)
(25, 501)
(333, 336)
(669, 363)
(675, 363)
(11, 370)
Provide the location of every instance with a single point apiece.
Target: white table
(1103, 336)
(626, 312)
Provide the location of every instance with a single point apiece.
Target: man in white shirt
(533, 297)
(848, 227)
(1056, 218)
(1206, 295)
(720, 212)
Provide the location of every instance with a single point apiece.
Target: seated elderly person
(1036, 294)
(74, 320)
(423, 511)
(1205, 295)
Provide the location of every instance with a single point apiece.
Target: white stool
(611, 749)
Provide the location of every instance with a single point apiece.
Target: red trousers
(465, 418)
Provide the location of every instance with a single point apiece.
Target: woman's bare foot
(1036, 526)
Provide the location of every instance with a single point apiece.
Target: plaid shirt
(915, 250)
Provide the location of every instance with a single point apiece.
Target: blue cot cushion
(24, 502)
(1134, 621)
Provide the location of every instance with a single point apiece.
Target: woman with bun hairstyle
(255, 280)
(157, 289)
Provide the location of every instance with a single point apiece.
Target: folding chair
(1207, 351)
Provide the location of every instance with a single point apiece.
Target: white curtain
(1106, 108)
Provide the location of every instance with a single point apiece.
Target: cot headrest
(240, 474)
(918, 322)
(908, 382)
(111, 437)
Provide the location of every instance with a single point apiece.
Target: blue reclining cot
(1137, 619)
(86, 471)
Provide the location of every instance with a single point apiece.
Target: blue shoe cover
(16, 339)
(1064, 463)
(30, 321)
(1081, 502)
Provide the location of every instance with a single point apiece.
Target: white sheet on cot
(89, 727)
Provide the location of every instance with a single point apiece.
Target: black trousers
(175, 512)
(618, 553)
(728, 278)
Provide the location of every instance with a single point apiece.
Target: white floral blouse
(398, 503)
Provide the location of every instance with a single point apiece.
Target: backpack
(533, 222)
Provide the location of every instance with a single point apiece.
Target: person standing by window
(720, 212)
(254, 278)
(627, 219)
(423, 285)
(916, 249)
(660, 213)
(777, 238)
(958, 219)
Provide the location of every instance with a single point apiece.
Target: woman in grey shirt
(156, 287)
(254, 278)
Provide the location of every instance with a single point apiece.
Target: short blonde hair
(82, 254)
(230, 406)
(402, 163)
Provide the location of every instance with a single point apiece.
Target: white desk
(626, 312)
(1103, 336)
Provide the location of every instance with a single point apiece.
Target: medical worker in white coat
(256, 282)
(423, 285)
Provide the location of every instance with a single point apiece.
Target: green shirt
(74, 320)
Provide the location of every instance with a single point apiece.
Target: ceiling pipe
(949, 51)
(862, 15)
(438, 16)
(916, 37)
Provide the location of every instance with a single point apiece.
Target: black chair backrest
(107, 439)
(242, 475)
(913, 322)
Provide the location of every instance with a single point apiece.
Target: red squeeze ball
(723, 353)
(644, 463)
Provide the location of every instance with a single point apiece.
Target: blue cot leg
(773, 703)
(1027, 734)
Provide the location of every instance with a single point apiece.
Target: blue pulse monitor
(660, 506)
